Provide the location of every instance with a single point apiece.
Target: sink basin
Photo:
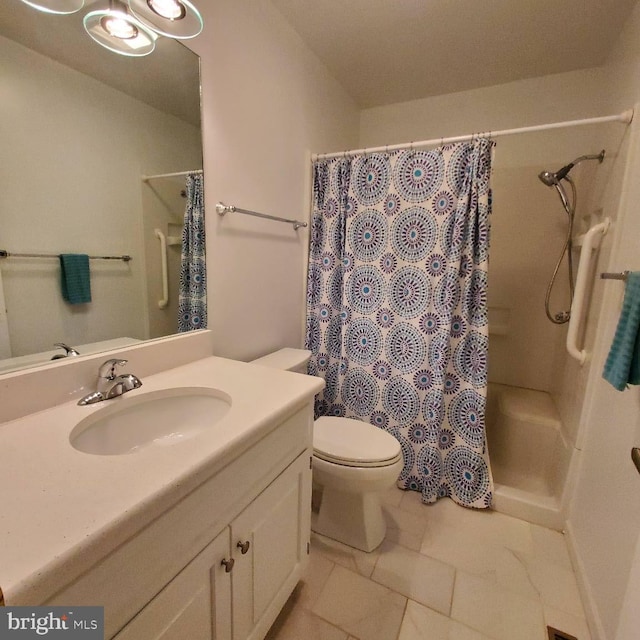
(154, 419)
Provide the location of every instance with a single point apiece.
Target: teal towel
(75, 281)
(623, 362)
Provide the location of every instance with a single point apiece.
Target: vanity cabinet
(165, 580)
(235, 587)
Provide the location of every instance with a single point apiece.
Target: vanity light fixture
(172, 18)
(117, 30)
(63, 7)
(131, 29)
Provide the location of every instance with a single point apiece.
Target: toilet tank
(288, 359)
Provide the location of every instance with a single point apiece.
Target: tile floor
(443, 573)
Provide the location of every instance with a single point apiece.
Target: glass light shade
(172, 18)
(62, 7)
(120, 32)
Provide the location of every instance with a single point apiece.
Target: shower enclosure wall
(537, 392)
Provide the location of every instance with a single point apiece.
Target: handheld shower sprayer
(554, 179)
(551, 179)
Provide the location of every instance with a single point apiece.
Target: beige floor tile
(347, 557)
(392, 497)
(462, 549)
(360, 606)
(557, 586)
(314, 578)
(486, 525)
(422, 623)
(404, 527)
(551, 546)
(416, 576)
(563, 621)
(496, 612)
(459, 631)
(299, 623)
(412, 502)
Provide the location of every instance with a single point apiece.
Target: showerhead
(548, 178)
(553, 179)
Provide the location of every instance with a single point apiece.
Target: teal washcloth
(75, 282)
(623, 362)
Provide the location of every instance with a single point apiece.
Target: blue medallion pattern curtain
(192, 295)
(397, 307)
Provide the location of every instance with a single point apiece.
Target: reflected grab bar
(596, 232)
(162, 304)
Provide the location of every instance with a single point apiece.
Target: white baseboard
(590, 609)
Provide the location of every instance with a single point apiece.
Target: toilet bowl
(353, 462)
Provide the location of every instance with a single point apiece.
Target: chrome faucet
(109, 384)
(69, 351)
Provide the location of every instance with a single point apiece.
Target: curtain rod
(177, 174)
(625, 117)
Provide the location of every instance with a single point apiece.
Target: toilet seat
(353, 443)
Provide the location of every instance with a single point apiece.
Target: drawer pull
(227, 564)
(243, 546)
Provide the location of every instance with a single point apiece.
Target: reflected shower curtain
(192, 295)
(397, 307)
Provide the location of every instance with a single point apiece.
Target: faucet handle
(70, 351)
(107, 369)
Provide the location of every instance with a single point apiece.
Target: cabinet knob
(243, 546)
(227, 564)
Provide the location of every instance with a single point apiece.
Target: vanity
(200, 535)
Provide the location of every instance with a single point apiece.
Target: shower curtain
(192, 295)
(397, 307)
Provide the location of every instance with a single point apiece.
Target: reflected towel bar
(615, 276)
(8, 254)
(229, 208)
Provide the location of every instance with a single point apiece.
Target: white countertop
(62, 510)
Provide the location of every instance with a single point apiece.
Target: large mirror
(82, 128)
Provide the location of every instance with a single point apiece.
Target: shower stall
(537, 392)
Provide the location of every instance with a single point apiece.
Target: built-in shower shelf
(173, 240)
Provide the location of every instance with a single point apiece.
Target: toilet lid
(354, 443)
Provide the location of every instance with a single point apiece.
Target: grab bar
(596, 232)
(162, 304)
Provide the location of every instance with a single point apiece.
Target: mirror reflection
(89, 138)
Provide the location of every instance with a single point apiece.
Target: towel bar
(623, 275)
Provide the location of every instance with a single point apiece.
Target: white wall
(267, 103)
(72, 184)
(604, 521)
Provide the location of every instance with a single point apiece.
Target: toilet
(353, 462)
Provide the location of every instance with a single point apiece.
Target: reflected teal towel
(75, 281)
(623, 362)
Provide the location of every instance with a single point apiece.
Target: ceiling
(387, 51)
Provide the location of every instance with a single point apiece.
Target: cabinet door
(276, 526)
(196, 604)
